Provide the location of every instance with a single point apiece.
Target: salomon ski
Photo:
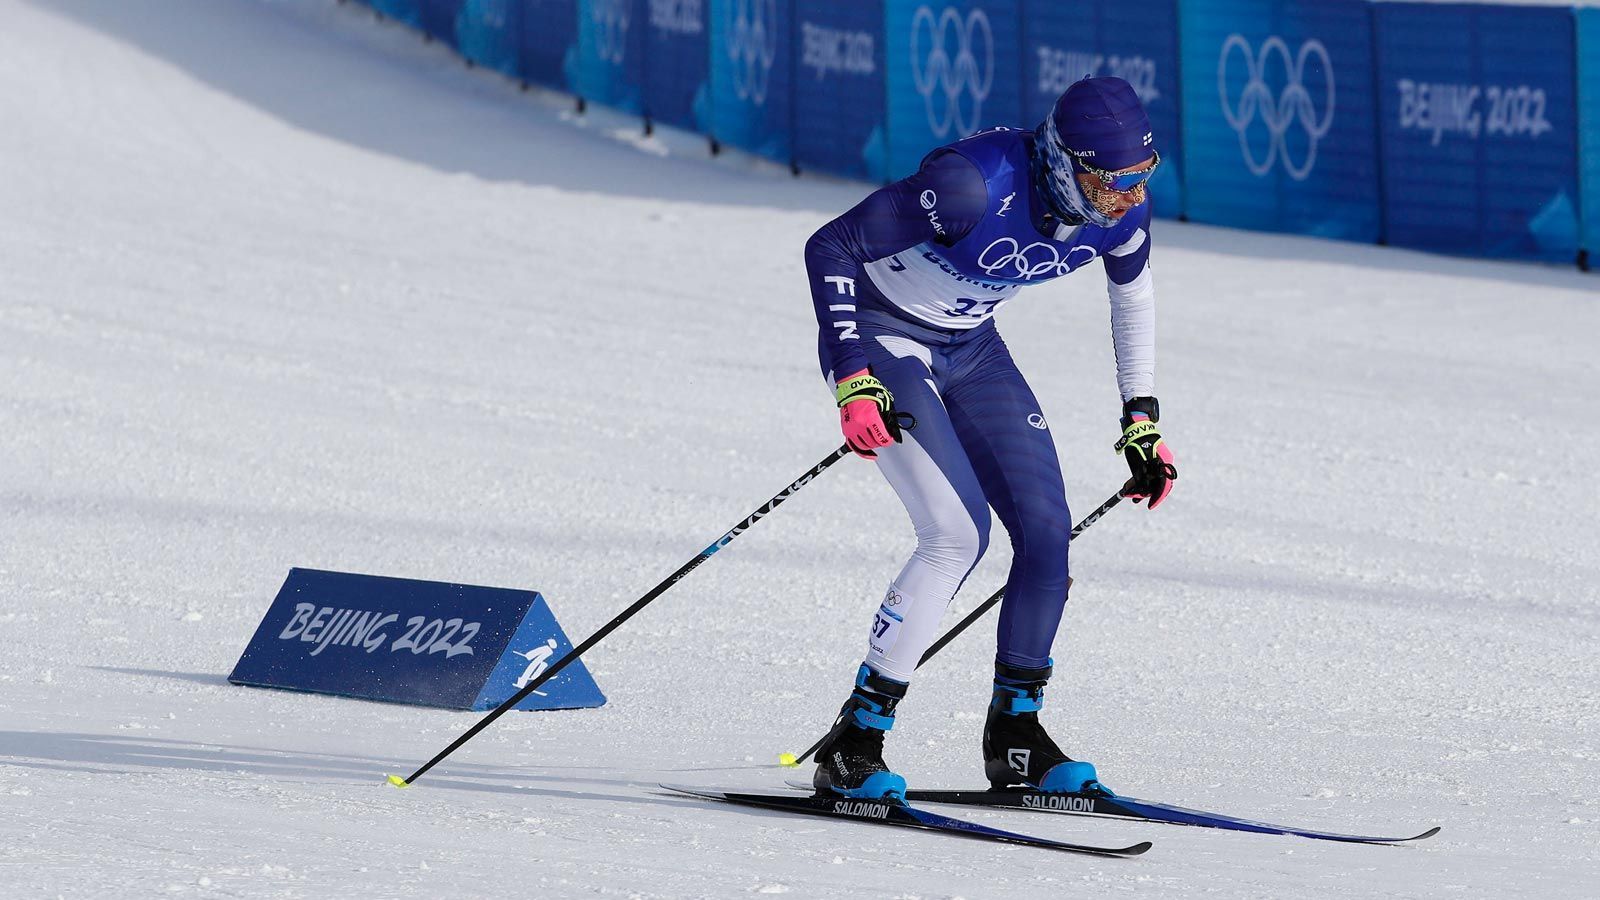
(890, 813)
(1131, 808)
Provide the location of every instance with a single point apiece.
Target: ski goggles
(1123, 182)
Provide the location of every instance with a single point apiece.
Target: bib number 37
(965, 305)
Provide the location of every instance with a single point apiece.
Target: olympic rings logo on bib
(1005, 258)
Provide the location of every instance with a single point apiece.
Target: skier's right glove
(866, 414)
(1149, 458)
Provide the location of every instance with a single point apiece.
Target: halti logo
(1037, 421)
(1005, 203)
(928, 199)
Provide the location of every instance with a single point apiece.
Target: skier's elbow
(826, 249)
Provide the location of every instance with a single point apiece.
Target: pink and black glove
(1147, 454)
(866, 414)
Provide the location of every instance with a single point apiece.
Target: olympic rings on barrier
(609, 19)
(968, 72)
(1293, 106)
(753, 47)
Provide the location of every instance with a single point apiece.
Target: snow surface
(281, 286)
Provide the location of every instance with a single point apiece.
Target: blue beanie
(1102, 122)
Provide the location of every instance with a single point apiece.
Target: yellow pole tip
(788, 760)
(398, 782)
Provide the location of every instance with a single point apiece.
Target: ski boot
(1016, 750)
(850, 761)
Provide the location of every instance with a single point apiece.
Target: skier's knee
(1041, 549)
(954, 548)
(952, 556)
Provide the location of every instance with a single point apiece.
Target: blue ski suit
(908, 283)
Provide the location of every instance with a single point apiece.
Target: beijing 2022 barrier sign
(405, 641)
(1468, 93)
(1338, 118)
(838, 89)
(676, 64)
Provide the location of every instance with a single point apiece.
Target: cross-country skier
(906, 286)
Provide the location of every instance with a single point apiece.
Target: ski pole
(626, 614)
(975, 615)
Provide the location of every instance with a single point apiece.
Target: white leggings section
(949, 544)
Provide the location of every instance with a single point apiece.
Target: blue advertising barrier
(439, 19)
(484, 32)
(1589, 129)
(407, 11)
(419, 642)
(1066, 42)
(752, 63)
(547, 37)
(839, 122)
(1279, 129)
(952, 70)
(1479, 129)
(1270, 114)
(676, 64)
(606, 65)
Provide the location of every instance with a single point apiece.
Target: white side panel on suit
(948, 546)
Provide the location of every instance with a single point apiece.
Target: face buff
(1061, 183)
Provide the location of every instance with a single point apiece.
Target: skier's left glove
(1148, 456)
